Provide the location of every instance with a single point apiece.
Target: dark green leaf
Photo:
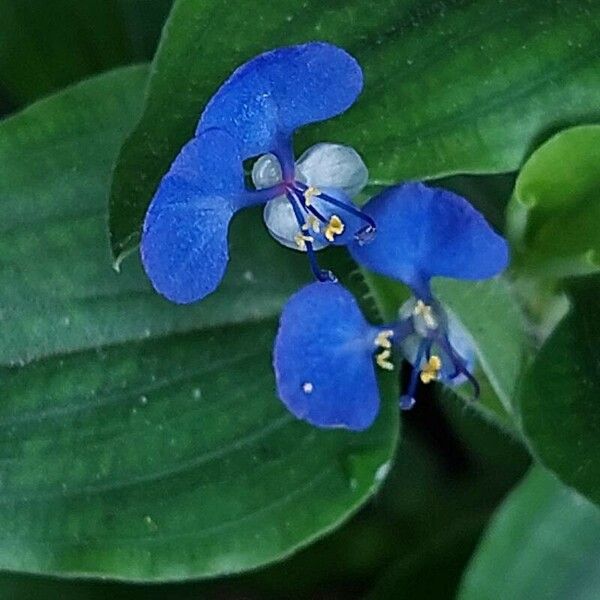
(450, 87)
(433, 505)
(543, 544)
(57, 290)
(141, 440)
(560, 392)
(443, 499)
(555, 212)
(45, 45)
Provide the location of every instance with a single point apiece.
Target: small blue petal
(184, 239)
(323, 359)
(425, 232)
(273, 94)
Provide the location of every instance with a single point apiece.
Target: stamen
(369, 230)
(365, 235)
(313, 223)
(431, 370)
(407, 401)
(334, 227)
(307, 206)
(320, 274)
(426, 313)
(383, 338)
(301, 240)
(309, 193)
(383, 360)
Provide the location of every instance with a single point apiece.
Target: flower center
(423, 332)
(308, 203)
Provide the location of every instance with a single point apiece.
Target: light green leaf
(492, 316)
(449, 87)
(141, 440)
(543, 544)
(560, 392)
(554, 216)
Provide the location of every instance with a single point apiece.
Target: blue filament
(364, 234)
(407, 401)
(460, 366)
(320, 274)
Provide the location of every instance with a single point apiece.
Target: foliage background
(102, 383)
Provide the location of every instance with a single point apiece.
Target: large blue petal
(423, 232)
(184, 239)
(323, 359)
(270, 96)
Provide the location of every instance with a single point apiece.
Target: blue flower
(324, 350)
(425, 232)
(323, 358)
(255, 112)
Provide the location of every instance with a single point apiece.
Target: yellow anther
(383, 360)
(301, 240)
(431, 369)
(313, 223)
(383, 338)
(334, 227)
(309, 193)
(426, 313)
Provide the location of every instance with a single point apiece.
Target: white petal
(281, 222)
(266, 172)
(333, 165)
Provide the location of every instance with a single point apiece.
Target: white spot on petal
(307, 387)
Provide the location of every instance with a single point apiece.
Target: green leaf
(442, 501)
(141, 440)
(449, 87)
(555, 211)
(47, 45)
(543, 544)
(434, 504)
(492, 316)
(559, 395)
(57, 290)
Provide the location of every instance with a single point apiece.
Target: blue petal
(270, 96)
(184, 240)
(425, 232)
(323, 359)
